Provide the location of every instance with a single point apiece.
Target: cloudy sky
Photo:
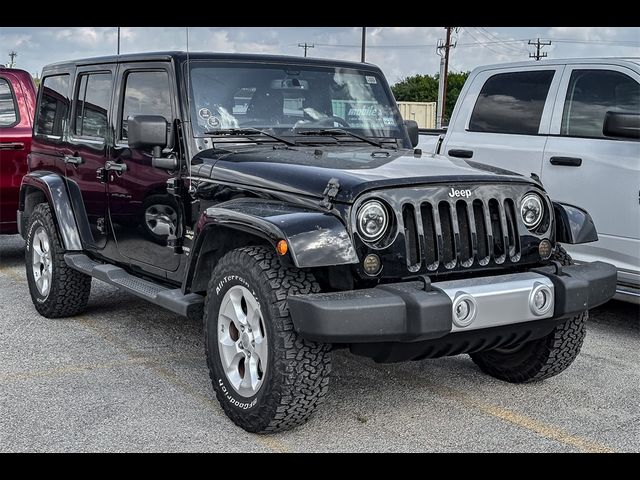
(400, 51)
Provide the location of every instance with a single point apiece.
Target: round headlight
(532, 210)
(372, 220)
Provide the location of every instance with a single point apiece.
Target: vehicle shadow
(617, 314)
(11, 251)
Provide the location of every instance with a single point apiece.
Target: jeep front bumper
(415, 311)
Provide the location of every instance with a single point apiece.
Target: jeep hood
(306, 171)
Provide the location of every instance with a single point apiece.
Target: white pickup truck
(573, 123)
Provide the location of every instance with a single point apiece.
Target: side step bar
(189, 305)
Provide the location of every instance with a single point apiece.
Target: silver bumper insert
(487, 302)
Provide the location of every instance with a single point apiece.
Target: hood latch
(330, 193)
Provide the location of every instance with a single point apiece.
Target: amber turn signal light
(281, 247)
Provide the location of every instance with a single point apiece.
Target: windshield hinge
(330, 193)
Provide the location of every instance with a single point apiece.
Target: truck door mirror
(147, 131)
(412, 130)
(621, 125)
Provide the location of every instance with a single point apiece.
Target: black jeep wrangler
(282, 201)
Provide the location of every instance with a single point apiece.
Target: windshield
(290, 99)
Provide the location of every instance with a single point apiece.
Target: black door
(87, 150)
(140, 208)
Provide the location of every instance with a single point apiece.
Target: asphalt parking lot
(130, 376)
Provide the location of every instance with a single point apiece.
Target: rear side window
(8, 113)
(146, 93)
(54, 106)
(92, 105)
(591, 94)
(512, 103)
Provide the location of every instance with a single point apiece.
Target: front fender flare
(573, 224)
(54, 188)
(315, 238)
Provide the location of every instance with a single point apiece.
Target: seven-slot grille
(446, 232)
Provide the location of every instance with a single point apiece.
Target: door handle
(566, 161)
(115, 167)
(454, 152)
(73, 160)
(11, 146)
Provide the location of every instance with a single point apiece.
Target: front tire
(265, 376)
(541, 358)
(56, 289)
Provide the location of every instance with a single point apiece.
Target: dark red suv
(17, 104)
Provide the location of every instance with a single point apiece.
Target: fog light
(372, 264)
(544, 249)
(540, 299)
(464, 310)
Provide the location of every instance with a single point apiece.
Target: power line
(622, 43)
(306, 46)
(492, 37)
(523, 41)
(486, 44)
(539, 46)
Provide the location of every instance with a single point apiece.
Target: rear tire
(276, 386)
(541, 358)
(56, 289)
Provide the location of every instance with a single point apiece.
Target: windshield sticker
(388, 120)
(204, 113)
(372, 80)
(213, 122)
(363, 112)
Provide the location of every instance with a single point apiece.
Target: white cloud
(399, 51)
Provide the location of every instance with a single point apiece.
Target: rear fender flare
(53, 186)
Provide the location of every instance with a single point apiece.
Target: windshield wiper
(339, 131)
(248, 131)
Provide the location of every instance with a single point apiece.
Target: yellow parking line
(53, 372)
(18, 275)
(545, 430)
(542, 429)
(268, 441)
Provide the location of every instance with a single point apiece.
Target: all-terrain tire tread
(549, 356)
(301, 368)
(70, 289)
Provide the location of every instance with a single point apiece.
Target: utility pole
(13, 55)
(364, 42)
(118, 40)
(538, 45)
(444, 74)
(306, 46)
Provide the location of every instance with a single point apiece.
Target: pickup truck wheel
(265, 376)
(56, 289)
(541, 358)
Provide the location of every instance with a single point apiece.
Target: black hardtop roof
(181, 56)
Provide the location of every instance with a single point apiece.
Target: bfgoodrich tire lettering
(541, 358)
(69, 290)
(297, 373)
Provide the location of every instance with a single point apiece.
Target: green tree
(424, 88)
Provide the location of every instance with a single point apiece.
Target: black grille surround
(454, 228)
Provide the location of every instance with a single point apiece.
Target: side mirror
(412, 130)
(621, 125)
(150, 131)
(147, 131)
